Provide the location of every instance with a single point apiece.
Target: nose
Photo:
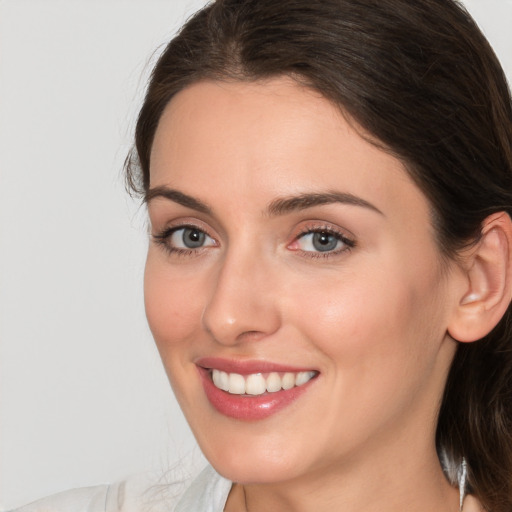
(243, 303)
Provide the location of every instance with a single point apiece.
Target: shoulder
(87, 499)
(207, 492)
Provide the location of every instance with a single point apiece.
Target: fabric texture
(208, 492)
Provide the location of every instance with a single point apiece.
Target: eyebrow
(177, 197)
(286, 205)
(279, 206)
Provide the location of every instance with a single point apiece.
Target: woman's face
(294, 263)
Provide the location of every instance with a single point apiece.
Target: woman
(329, 274)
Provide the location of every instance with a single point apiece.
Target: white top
(206, 493)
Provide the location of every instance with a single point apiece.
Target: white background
(84, 399)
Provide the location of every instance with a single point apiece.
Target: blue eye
(190, 238)
(183, 239)
(187, 238)
(322, 241)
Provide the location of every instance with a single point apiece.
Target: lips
(252, 390)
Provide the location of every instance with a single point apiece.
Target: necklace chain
(245, 499)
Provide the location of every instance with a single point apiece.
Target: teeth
(288, 381)
(221, 380)
(302, 378)
(257, 384)
(274, 383)
(236, 384)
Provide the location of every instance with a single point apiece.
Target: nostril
(251, 336)
(240, 309)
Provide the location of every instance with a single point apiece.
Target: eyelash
(163, 237)
(349, 243)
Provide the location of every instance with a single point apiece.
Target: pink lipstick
(252, 390)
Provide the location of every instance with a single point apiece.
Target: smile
(252, 390)
(256, 384)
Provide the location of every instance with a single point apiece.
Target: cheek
(381, 320)
(379, 351)
(173, 305)
(357, 318)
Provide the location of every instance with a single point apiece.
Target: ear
(488, 292)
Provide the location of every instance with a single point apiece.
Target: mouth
(252, 390)
(256, 384)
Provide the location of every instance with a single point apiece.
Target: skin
(371, 319)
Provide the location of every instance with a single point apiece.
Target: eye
(189, 238)
(326, 241)
(319, 241)
(184, 239)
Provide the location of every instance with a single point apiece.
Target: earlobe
(489, 281)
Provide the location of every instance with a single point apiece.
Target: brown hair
(423, 81)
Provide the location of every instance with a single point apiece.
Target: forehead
(273, 137)
(227, 119)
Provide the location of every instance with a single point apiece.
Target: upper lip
(246, 366)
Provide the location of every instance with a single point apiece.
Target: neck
(415, 484)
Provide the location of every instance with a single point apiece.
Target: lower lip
(248, 407)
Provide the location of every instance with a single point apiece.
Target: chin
(253, 459)
(253, 472)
